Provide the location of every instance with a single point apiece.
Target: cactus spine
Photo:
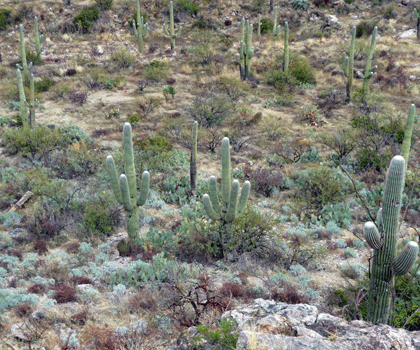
(276, 28)
(369, 72)
(171, 32)
(232, 205)
(25, 66)
(125, 188)
(193, 161)
(140, 28)
(37, 39)
(383, 239)
(286, 48)
(348, 63)
(246, 50)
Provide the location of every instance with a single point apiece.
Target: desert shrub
(72, 134)
(289, 294)
(122, 58)
(101, 216)
(86, 18)
(319, 186)
(365, 28)
(301, 70)
(156, 71)
(78, 97)
(104, 5)
(223, 337)
(168, 90)
(32, 56)
(371, 160)
(34, 144)
(44, 84)
(5, 18)
(311, 156)
(283, 82)
(175, 189)
(44, 222)
(264, 180)
(93, 78)
(187, 6)
(209, 108)
(407, 292)
(64, 294)
(266, 26)
(300, 4)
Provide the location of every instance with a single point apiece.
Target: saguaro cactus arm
(24, 66)
(372, 235)
(208, 206)
(348, 63)
(408, 132)
(22, 97)
(276, 28)
(144, 189)
(369, 72)
(246, 50)
(405, 260)
(112, 172)
(37, 38)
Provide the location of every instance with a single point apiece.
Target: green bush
(34, 144)
(300, 4)
(187, 6)
(319, 186)
(365, 28)
(86, 18)
(5, 18)
(223, 336)
(104, 5)
(301, 70)
(168, 90)
(97, 218)
(122, 58)
(266, 26)
(156, 71)
(31, 56)
(43, 85)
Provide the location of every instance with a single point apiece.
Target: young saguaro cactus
(171, 31)
(140, 28)
(348, 64)
(246, 50)
(22, 97)
(369, 72)
(408, 132)
(286, 49)
(382, 238)
(259, 27)
(125, 188)
(24, 66)
(232, 204)
(37, 39)
(276, 28)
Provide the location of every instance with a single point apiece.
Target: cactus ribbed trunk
(286, 49)
(349, 73)
(193, 162)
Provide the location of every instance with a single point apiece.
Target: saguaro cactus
(171, 32)
(193, 161)
(276, 28)
(232, 205)
(369, 72)
(417, 24)
(37, 39)
(140, 28)
(22, 97)
(382, 238)
(348, 63)
(408, 132)
(125, 188)
(25, 66)
(246, 49)
(259, 27)
(286, 48)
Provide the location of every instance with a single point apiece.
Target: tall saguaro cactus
(171, 31)
(140, 28)
(125, 188)
(24, 66)
(348, 64)
(232, 204)
(246, 50)
(193, 161)
(369, 72)
(382, 238)
(408, 132)
(276, 28)
(37, 39)
(286, 49)
(259, 27)
(22, 97)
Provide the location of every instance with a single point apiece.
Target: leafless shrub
(78, 97)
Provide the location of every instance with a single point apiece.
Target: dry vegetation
(295, 141)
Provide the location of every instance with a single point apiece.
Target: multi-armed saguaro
(348, 63)
(369, 72)
(37, 39)
(139, 27)
(171, 32)
(382, 238)
(246, 50)
(125, 188)
(232, 204)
